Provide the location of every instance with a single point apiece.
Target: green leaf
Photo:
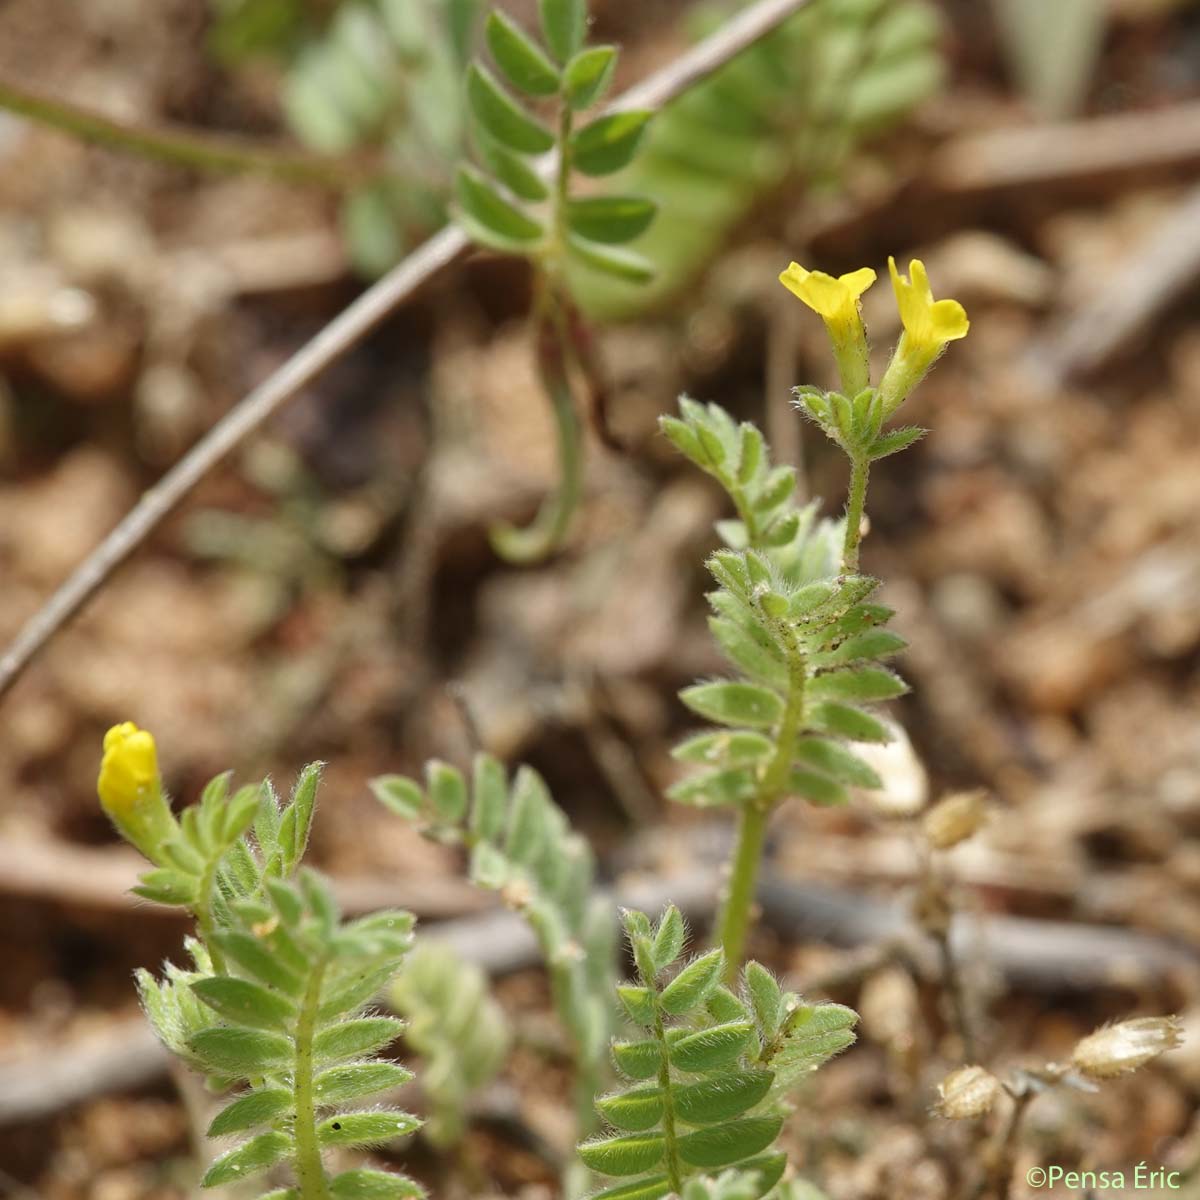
(287, 901)
(609, 143)
(355, 1080)
(628, 1154)
(365, 1184)
(511, 170)
(870, 644)
(729, 1143)
(711, 1048)
(502, 116)
(668, 939)
(490, 219)
(730, 787)
(490, 789)
(365, 1128)
(860, 684)
(342, 996)
(724, 1006)
(766, 998)
(610, 219)
(691, 987)
(304, 800)
(352, 1039)
(245, 1003)
(734, 703)
(636, 1110)
(728, 746)
(399, 794)
(638, 1003)
(165, 886)
(519, 57)
(638, 1060)
(894, 442)
(447, 791)
(588, 76)
(770, 1168)
(818, 789)
(611, 260)
(564, 26)
(749, 649)
(240, 1052)
(240, 813)
(653, 1187)
(831, 759)
(248, 1159)
(254, 1108)
(721, 1099)
(844, 721)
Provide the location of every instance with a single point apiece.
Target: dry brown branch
(1123, 145)
(339, 336)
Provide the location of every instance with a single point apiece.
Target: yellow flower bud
(131, 792)
(929, 325)
(838, 303)
(128, 770)
(1123, 1047)
(954, 819)
(966, 1093)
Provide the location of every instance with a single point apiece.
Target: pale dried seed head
(966, 1093)
(1126, 1046)
(955, 818)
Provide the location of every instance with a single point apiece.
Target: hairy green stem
(734, 923)
(310, 1170)
(670, 1138)
(186, 148)
(856, 501)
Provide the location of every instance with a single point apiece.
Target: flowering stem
(856, 500)
(737, 910)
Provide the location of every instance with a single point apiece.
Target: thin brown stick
(339, 336)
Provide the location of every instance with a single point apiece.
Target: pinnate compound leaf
(609, 143)
(837, 762)
(519, 57)
(629, 1154)
(250, 1158)
(502, 117)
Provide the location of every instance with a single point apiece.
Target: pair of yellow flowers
(928, 323)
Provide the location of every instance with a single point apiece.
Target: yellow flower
(928, 322)
(836, 302)
(929, 325)
(128, 770)
(831, 299)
